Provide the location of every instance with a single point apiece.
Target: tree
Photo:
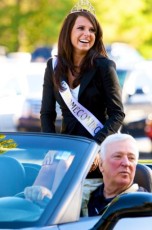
(6, 145)
(123, 23)
(25, 24)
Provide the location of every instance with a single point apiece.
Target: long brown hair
(65, 48)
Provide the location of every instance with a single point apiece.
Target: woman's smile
(82, 35)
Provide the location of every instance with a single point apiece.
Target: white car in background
(13, 88)
(124, 55)
(20, 92)
(137, 98)
(28, 117)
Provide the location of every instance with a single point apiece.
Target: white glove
(37, 193)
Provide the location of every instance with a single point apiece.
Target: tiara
(83, 5)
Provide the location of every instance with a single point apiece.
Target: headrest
(12, 176)
(143, 177)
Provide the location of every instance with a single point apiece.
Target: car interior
(20, 175)
(14, 180)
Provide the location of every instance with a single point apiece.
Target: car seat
(12, 176)
(143, 177)
(31, 171)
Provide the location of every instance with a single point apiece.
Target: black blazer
(99, 92)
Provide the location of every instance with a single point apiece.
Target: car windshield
(60, 163)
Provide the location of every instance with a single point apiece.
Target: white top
(75, 92)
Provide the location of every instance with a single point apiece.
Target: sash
(84, 116)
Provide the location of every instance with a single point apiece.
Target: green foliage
(26, 24)
(6, 145)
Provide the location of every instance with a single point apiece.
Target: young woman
(93, 107)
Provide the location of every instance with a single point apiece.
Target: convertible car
(21, 157)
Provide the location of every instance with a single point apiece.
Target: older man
(118, 159)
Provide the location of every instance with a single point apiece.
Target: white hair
(117, 137)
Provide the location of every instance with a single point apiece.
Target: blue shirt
(98, 203)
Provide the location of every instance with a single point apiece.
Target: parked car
(13, 88)
(28, 117)
(137, 99)
(41, 54)
(123, 54)
(20, 161)
(20, 82)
